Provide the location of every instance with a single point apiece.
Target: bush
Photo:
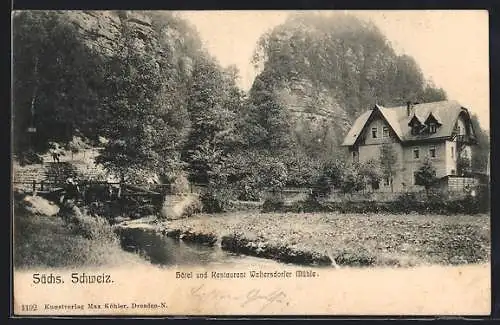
(248, 190)
(180, 185)
(181, 206)
(406, 202)
(311, 204)
(211, 203)
(73, 238)
(483, 198)
(273, 204)
(322, 188)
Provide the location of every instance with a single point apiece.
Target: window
(386, 181)
(374, 133)
(453, 172)
(432, 152)
(453, 152)
(432, 128)
(385, 132)
(416, 153)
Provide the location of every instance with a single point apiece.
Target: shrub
(406, 202)
(484, 198)
(323, 187)
(180, 185)
(353, 181)
(311, 204)
(74, 239)
(248, 190)
(181, 206)
(273, 204)
(211, 203)
(426, 175)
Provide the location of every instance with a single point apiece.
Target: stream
(161, 250)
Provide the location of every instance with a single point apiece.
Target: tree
(426, 175)
(432, 94)
(388, 160)
(302, 170)
(144, 129)
(352, 181)
(334, 171)
(480, 151)
(464, 165)
(51, 91)
(269, 118)
(213, 104)
(330, 176)
(371, 173)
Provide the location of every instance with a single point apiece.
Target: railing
(44, 186)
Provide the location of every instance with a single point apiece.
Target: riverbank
(338, 239)
(48, 237)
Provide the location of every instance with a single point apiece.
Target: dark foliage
(436, 203)
(273, 204)
(212, 204)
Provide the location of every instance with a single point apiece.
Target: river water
(161, 250)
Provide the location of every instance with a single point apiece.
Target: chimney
(409, 107)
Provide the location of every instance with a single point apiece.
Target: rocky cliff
(103, 31)
(314, 109)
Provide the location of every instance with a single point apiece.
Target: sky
(450, 46)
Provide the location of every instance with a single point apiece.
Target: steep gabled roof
(445, 112)
(433, 117)
(356, 128)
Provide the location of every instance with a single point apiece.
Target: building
(440, 131)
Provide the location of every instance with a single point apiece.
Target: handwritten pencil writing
(255, 297)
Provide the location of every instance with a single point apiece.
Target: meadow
(349, 239)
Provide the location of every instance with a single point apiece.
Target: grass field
(401, 240)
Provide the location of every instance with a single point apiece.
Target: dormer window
(432, 123)
(432, 128)
(415, 125)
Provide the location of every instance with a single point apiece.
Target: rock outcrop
(103, 31)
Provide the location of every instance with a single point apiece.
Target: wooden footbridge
(95, 190)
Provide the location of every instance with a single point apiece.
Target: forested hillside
(325, 71)
(143, 82)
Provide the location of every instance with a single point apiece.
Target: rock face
(103, 31)
(100, 30)
(314, 109)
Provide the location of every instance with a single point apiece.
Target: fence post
(41, 185)
(34, 187)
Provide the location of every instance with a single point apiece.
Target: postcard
(196, 163)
